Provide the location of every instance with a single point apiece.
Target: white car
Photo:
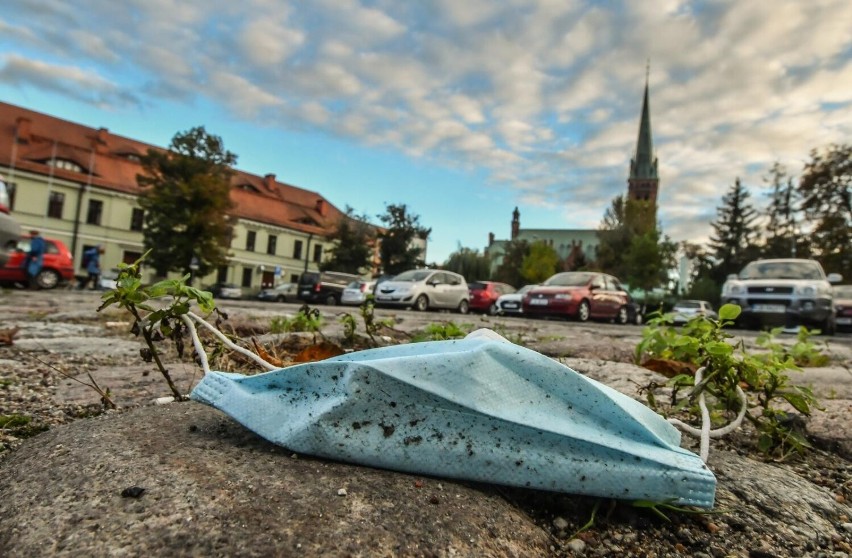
(285, 292)
(423, 289)
(513, 303)
(356, 292)
(685, 310)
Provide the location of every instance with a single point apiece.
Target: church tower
(516, 223)
(643, 183)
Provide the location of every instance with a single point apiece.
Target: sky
(462, 110)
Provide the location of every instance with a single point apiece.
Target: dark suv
(324, 287)
(783, 292)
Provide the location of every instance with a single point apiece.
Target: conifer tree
(397, 251)
(733, 242)
(783, 234)
(826, 190)
(470, 264)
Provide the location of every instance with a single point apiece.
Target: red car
(581, 295)
(484, 295)
(58, 266)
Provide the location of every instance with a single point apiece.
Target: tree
(783, 239)
(509, 270)
(353, 239)
(826, 190)
(623, 221)
(540, 263)
(186, 198)
(398, 251)
(648, 261)
(469, 263)
(732, 242)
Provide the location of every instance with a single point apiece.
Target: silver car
(423, 289)
(356, 292)
(685, 310)
(10, 230)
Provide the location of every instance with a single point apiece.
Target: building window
(128, 257)
(222, 274)
(294, 278)
(137, 219)
(271, 242)
(247, 276)
(250, 238)
(55, 204)
(65, 164)
(96, 210)
(317, 252)
(297, 250)
(10, 188)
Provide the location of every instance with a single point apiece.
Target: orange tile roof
(114, 163)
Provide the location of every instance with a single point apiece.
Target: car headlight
(732, 289)
(562, 296)
(810, 290)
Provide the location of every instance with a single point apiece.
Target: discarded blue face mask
(480, 409)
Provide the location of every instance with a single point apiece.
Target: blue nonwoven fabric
(478, 409)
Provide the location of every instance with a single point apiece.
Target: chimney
(269, 181)
(321, 207)
(100, 142)
(23, 130)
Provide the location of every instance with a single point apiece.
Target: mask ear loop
(705, 433)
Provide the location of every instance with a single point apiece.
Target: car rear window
(477, 286)
(688, 304)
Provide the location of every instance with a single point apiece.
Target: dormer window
(133, 157)
(248, 188)
(65, 164)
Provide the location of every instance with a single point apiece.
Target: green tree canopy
(733, 242)
(783, 238)
(186, 198)
(648, 260)
(509, 270)
(826, 190)
(541, 262)
(470, 264)
(623, 221)
(353, 239)
(397, 251)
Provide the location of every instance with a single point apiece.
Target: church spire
(644, 181)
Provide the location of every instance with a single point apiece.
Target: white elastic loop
(230, 344)
(704, 433)
(199, 348)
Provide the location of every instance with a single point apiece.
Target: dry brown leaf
(7, 336)
(320, 351)
(670, 368)
(262, 353)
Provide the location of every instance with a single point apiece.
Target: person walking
(35, 258)
(92, 260)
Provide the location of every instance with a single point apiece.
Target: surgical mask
(479, 409)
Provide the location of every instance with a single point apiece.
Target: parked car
(225, 290)
(484, 295)
(843, 306)
(783, 292)
(513, 303)
(10, 230)
(57, 267)
(423, 289)
(685, 310)
(324, 287)
(285, 292)
(356, 292)
(581, 295)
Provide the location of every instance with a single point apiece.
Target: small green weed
(306, 319)
(14, 421)
(804, 352)
(442, 332)
(703, 342)
(371, 325)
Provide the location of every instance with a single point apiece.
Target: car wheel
(47, 279)
(493, 310)
(583, 311)
(422, 303)
(621, 317)
(464, 307)
(281, 298)
(331, 300)
(829, 327)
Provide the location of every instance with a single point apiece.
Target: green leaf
(719, 348)
(729, 312)
(799, 402)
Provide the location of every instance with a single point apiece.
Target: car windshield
(781, 270)
(413, 276)
(526, 288)
(569, 280)
(843, 291)
(688, 304)
(477, 286)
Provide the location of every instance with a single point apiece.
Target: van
(324, 287)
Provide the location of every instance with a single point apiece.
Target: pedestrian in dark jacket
(35, 259)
